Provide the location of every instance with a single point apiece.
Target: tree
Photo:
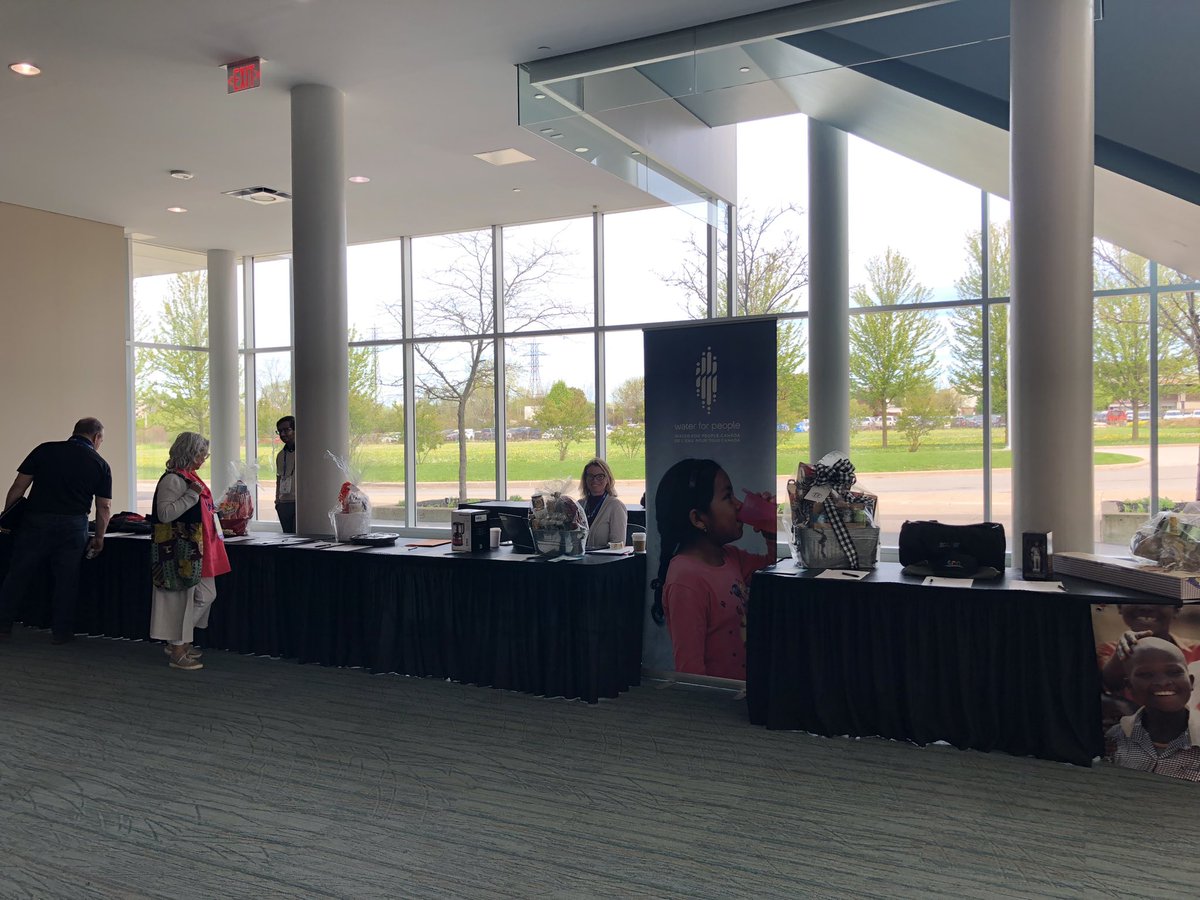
(429, 431)
(460, 303)
(891, 353)
(771, 271)
(180, 377)
(629, 401)
(1121, 337)
(967, 350)
(925, 409)
(566, 415)
(629, 439)
(365, 408)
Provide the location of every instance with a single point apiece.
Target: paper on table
(843, 574)
(427, 542)
(935, 581)
(341, 548)
(1049, 587)
(604, 551)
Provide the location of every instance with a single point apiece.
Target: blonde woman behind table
(606, 515)
(182, 496)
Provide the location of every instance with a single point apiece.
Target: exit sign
(243, 75)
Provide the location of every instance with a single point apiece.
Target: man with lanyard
(65, 476)
(285, 475)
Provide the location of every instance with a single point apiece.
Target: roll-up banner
(710, 489)
(1149, 659)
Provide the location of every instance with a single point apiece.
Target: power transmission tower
(535, 369)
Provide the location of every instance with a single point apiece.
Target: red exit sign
(243, 75)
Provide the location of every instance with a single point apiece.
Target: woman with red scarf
(184, 500)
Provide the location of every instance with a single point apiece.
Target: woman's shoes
(192, 652)
(185, 662)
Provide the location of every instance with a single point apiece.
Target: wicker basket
(818, 548)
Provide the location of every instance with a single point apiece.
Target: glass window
(1115, 268)
(377, 427)
(1178, 398)
(273, 375)
(908, 421)
(655, 267)
(171, 394)
(373, 290)
(452, 285)
(273, 302)
(999, 248)
(895, 203)
(1121, 417)
(551, 392)
(548, 276)
(455, 427)
(771, 251)
(625, 375)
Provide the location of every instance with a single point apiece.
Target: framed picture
(1035, 556)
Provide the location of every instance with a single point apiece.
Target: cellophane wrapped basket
(833, 525)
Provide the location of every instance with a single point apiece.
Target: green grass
(946, 449)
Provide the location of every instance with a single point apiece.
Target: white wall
(63, 307)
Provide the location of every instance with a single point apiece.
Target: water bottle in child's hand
(758, 512)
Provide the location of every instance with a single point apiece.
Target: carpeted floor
(260, 778)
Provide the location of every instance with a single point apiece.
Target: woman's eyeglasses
(596, 476)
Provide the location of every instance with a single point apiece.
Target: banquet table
(987, 667)
(570, 628)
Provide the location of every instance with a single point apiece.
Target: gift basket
(833, 525)
(559, 524)
(351, 514)
(236, 508)
(1171, 539)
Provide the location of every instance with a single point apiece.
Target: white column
(828, 291)
(319, 318)
(225, 440)
(1051, 139)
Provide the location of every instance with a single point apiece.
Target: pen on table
(849, 574)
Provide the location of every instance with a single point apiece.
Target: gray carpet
(261, 778)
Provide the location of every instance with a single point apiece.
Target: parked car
(801, 427)
(485, 434)
(1175, 415)
(392, 437)
(522, 433)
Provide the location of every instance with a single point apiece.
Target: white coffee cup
(639, 542)
(616, 545)
(494, 538)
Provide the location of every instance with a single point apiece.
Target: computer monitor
(511, 517)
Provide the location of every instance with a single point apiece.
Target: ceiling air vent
(263, 196)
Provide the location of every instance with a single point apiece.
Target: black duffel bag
(953, 549)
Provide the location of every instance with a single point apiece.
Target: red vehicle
(1116, 415)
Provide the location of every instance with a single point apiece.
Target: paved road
(955, 496)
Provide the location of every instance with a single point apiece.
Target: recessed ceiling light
(581, 149)
(26, 69)
(556, 135)
(543, 47)
(176, 209)
(636, 153)
(539, 96)
(516, 190)
(744, 69)
(547, 130)
(182, 175)
(358, 179)
(504, 157)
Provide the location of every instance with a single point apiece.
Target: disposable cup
(758, 513)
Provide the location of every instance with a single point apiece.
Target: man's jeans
(46, 539)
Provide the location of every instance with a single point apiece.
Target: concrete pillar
(1051, 150)
(319, 317)
(828, 291)
(225, 438)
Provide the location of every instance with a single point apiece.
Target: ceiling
(131, 89)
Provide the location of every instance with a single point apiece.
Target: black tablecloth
(990, 667)
(570, 629)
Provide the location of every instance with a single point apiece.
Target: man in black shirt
(65, 476)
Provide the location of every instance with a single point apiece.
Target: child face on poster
(1143, 621)
(719, 522)
(1158, 677)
